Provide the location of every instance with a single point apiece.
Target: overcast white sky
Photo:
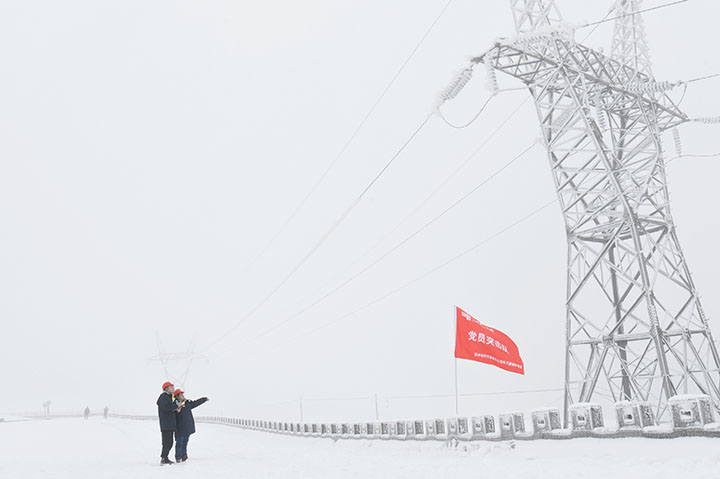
(149, 151)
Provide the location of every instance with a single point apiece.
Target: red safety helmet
(166, 384)
(178, 392)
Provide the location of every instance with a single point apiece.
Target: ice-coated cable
(322, 239)
(350, 139)
(474, 118)
(394, 248)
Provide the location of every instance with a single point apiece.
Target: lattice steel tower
(166, 359)
(635, 327)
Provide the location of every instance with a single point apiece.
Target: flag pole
(457, 413)
(456, 390)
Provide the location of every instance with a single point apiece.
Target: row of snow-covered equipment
(691, 416)
(416, 429)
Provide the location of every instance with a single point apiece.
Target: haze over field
(151, 151)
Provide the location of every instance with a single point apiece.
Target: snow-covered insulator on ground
(418, 429)
(545, 420)
(464, 430)
(634, 414)
(482, 425)
(399, 431)
(691, 410)
(511, 424)
(586, 416)
(440, 428)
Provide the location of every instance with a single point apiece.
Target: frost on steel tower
(635, 327)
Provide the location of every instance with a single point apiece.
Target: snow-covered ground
(119, 448)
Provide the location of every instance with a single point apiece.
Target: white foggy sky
(150, 150)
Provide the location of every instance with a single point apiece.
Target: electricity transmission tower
(166, 359)
(635, 328)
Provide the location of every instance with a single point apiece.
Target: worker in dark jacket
(185, 423)
(167, 413)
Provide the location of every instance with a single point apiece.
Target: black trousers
(167, 443)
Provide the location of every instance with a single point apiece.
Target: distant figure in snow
(105, 411)
(46, 408)
(185, 423)
(87, 412)
(167, 413)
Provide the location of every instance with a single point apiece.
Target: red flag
(477, 342)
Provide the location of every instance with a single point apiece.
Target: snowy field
(118, 448)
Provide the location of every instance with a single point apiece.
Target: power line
(324, 399)
(324, 237)
(359, 127)
(707, 77)
(445, 211)
(432, 270)
(459, 127)
(394, 248)
(493, 393)
(418, 396)
(597, 24)
(387, 165)
(327, 170)
(436, 268)
(434, 192)
(712, 155)
(444, 182)
(352, 206)
(657, 7)
(462, 165)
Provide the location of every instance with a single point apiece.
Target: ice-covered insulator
(600, 111)
(678, 143)
(602, 121)
(651, 86)
(710, 120)
(456, 86)
(491, 78)
(562, 119)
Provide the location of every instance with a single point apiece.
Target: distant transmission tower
(635, 327)
(183, 360)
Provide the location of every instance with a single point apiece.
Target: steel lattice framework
(635, 327)
(165, 358)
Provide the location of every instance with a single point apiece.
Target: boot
(165, 460)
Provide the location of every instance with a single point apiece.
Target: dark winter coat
(185, 419)
(167, 412)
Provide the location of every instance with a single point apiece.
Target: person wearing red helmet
(185, 423)
(167, 413)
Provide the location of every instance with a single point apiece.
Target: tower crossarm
(175, 356)
(534, 63)
(645, 336)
